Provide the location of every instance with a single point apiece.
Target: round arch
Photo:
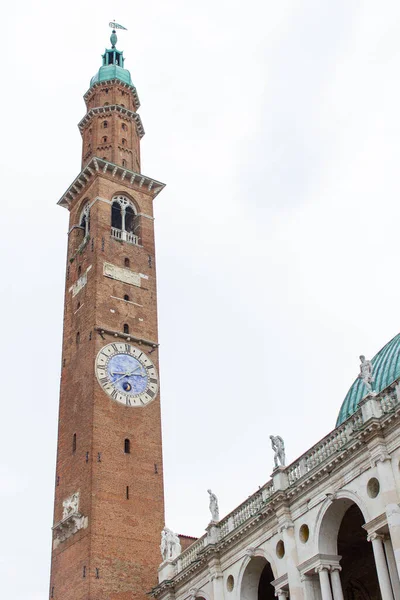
(84, 216)
(131, 199)
(250, 573)
(198, 594)
(330, 517)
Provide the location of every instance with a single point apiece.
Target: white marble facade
(326, 527)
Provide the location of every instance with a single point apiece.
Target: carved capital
(322, 568)
(250, 551)
(335, 568)
(331, 497)
(375, 536)
(382, 457)
(288, 524)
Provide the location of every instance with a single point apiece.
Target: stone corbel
(68, 527)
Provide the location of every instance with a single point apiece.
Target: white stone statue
(71, 505)
(278, 446)
(214, 510)
(366, 374)
(170, 544)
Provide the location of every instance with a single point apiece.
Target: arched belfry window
(84, 220)
(124, 220)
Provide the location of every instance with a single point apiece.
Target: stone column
(295, 587)
(309, 589)
(281, 594)
(390, 498)
(323, 573)
(381, 566)
(391, 561)
(216, 578)
(336, 583)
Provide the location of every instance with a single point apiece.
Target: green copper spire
(113, 62)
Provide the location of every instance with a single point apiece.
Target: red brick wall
(113, 149)
(123, 537)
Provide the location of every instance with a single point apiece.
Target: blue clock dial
(126, 374)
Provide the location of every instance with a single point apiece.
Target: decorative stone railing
(328, 446)
(189, 555)
(124, 236)
(228, 524)
(333, 444)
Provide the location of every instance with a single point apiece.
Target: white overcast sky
(276, 126)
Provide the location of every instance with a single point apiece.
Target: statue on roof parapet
(366, 374)
(214, 509)
(278, 446)
(170, 545)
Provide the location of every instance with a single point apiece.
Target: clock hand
(122, 376)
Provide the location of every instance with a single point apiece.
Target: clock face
(126, 374)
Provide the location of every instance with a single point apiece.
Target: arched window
(124, 126)
(105, 124)
(74, 443)
(105, 139)
(127, 262)
(126, 328)
(124, 221)
(106, 103)
(78, 337)
(84, 220)
(79, 270)
(126, 297)
(127, 446)
(116, 215)
(123, 162)
(123, 141)
(130, 219)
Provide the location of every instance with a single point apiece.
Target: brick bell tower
(109, 502)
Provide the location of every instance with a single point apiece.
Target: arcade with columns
(326, 527)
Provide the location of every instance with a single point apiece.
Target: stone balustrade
(124, 236)
(336, 442)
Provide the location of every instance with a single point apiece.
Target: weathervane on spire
(113, 37)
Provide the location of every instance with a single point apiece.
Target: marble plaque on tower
(121, 274)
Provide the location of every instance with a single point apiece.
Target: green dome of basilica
(385, 369)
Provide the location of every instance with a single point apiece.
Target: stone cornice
(98, 84)
(98, 166)
(319, 560)
(105, 110)
(376, 524)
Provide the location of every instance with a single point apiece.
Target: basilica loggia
(326, 527)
